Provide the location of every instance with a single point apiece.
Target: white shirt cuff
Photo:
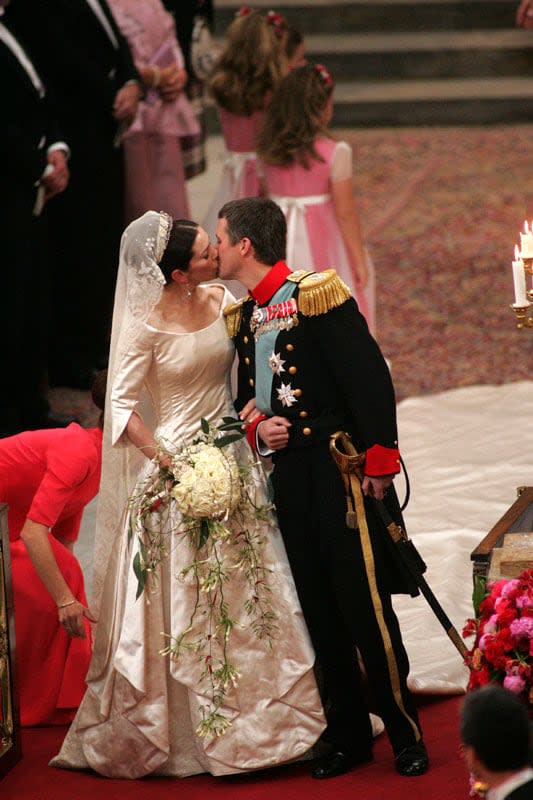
(59, 146)
(262, 449)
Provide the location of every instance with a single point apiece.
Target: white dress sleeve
(126, 390)
(342, 163)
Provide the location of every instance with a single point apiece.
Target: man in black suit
(306, 353)
(34, 170)
(86, 63)
(496, 737)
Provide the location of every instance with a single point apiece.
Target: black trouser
(341, 606)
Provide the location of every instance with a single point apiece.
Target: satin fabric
(141, 710)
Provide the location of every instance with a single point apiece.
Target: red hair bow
(325, 74)
(278, 22)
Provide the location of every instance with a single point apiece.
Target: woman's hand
(71, 616)
(165, 462)
(70, 611)
(172, 81)
(249, 412)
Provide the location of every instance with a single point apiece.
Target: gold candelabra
(522, 266)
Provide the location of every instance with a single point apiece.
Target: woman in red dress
(47, 477)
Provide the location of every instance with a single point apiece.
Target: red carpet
(32, 779)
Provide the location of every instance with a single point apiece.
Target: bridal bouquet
(208, 498)
(503, 630)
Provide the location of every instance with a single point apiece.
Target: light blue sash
(264, 348)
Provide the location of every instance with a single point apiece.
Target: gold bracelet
(70, 603)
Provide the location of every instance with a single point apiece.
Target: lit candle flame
(516, 253)
(526, 227)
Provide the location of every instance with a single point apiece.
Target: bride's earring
(188, 290)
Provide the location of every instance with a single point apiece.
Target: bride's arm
(125, 415)
(139, 435)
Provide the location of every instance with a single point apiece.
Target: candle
(519, 280)
(526, 242)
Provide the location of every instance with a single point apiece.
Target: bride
(155, 701)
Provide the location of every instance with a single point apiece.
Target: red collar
(267, 286)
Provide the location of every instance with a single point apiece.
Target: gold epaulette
(320, 292)
(233, 314)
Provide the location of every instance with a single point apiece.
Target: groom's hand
(274, 432)
(377, 487)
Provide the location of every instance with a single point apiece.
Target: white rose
(211, 487)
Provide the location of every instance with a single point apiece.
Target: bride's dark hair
(178, 251)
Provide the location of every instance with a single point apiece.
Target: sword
(350, 462)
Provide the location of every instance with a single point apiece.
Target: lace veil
(138, 290)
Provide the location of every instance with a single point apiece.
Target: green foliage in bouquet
(209, 498)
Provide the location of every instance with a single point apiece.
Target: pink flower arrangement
(503, 629)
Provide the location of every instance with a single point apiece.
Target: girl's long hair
(250, 67)
(295, 117)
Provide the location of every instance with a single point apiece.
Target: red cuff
(382, 461)
(250, 431)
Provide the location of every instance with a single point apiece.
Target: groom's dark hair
(260, 220)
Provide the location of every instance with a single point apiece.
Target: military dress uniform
(306, 354)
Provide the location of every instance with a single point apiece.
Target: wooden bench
(509, 542)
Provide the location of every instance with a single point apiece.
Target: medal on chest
(276, 317)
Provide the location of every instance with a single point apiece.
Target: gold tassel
(233, 314)
(320, 292)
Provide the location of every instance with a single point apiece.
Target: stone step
(320, 16)
(441, 54)
(463, 101)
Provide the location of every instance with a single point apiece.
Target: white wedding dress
(141, 709)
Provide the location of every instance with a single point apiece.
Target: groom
(306, 353)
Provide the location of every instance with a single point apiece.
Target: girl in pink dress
(250, 67)
(309, 174)
(155, 176)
